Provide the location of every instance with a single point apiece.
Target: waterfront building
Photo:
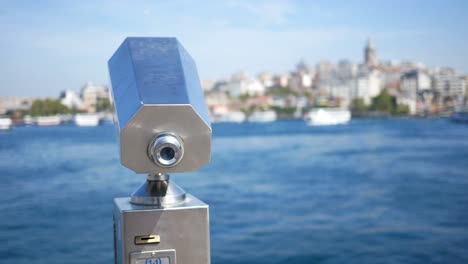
(345, 70)
(325, 77)
(15, 103)
(305, 80)
(465, 79)
(389, 63)
(390, 76)
(363, 69)
(241, 84)
(282, 80)
(408, 65)
(289, 101)
(325, 71)
(216, 98)
(415, 81)
(366, 86)
(261, 102)
(71, 100)
(219, 86)
(280, 102)
(300, 81)
(413, 104)
(217, 103)
(207, 85)
(340, 92)
(413, 85)
(266, 79)
(449, 85)
(91, 95)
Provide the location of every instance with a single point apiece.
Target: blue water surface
(372, 191)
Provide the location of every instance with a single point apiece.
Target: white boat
(87, 119)
(28, 120)
(263, 116)
(460, 114)
(48, 120)
(107, 118)
(5, 123)
(230, 117)
(65, 119)
(328, 116)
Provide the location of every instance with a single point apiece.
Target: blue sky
(49, 46)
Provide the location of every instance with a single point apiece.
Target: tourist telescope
(163, 127)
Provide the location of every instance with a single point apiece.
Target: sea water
(372, 191)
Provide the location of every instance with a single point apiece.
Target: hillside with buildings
(413, 88)
(371, 88)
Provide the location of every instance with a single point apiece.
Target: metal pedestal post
(161, 224)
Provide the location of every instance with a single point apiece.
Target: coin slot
(149, 239)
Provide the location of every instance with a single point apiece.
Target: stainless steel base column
(161, 235)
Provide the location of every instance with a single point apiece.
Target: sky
(50, 46)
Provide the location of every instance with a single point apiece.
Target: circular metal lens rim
(162, 141)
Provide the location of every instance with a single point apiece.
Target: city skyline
(56, 46)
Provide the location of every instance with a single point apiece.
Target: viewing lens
(166, 150)
(167, 153)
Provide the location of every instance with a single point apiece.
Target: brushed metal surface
(156, 90)
(183, 228)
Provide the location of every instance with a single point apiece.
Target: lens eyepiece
(167, 153)
(166, 150)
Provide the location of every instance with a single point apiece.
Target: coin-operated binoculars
(163, 128)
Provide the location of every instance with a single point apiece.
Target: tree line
(48, 107)
(384, 103)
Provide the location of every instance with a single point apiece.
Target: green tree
(401, 109)
(383, 102)
(48, 107)
(284, 111)
(244, 97)
(358, 105)
(282, 92)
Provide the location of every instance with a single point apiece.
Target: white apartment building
(366, 86)
(413, 83)
(251, 87)
(345, 70)
(207, 85)
(216, 98)
(71, 100)
(341, 90)
(266, 79)
(411, 65)
(449, 84)
(300, 81)
(390, 76)
(91, 95)
(15, 103)
(325, 71)
(282, 80)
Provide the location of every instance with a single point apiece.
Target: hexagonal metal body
(156, 89)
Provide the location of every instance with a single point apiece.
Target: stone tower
(370, 54)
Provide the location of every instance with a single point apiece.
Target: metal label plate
(153, 257)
